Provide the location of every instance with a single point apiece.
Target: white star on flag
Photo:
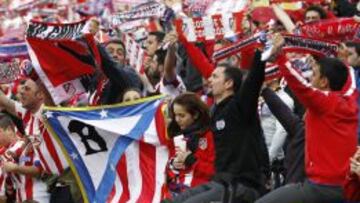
(103, 114)
(112, 167)
(49, 114)
(74, 156)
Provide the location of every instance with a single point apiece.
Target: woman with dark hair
(131, 94)
(191, 145)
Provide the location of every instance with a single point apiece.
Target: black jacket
(241, 153)
(120, 78)
(295, 158)
(190, 75)
(344, 8)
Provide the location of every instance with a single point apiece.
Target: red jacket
(200, 172)
(330, 125)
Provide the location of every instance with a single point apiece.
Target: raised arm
(284, 18)
(247, 96)
(197, 58)
(289, 120)
(312, 98)
(7, 104)
(309, 96)
(113, 70)
(170, 59)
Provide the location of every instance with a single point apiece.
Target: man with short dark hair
(116, 49)
(161, 72)
(120, 76)
(353, 51)
(353, 59)
(330, 129)
(314, 13)
(241, 154)
(29, 167)
(153, 42)
(31, 98)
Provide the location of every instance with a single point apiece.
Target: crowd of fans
(234, 135)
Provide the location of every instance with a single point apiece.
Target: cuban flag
(118, 153)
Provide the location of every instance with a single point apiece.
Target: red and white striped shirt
(27, 187)
(49, 151)
(3, 175)
(8, 154)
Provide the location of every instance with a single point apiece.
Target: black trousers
(306, 192)
(213, 192)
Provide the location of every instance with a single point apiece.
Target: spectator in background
(331, 127)
(8, 139)
(275, 134)
(192, 164)
(353, 59)
(153, 42)
(295, 127)
(353, 55)
(131, 94)
(119, 77)
(116, 49)
(155, 67)
(343, 52)
(314, 13)
(7, 131)
(162, 70)
(28, 168)
(151, 64)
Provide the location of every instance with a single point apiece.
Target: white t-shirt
(274, 132)
(171, 88)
